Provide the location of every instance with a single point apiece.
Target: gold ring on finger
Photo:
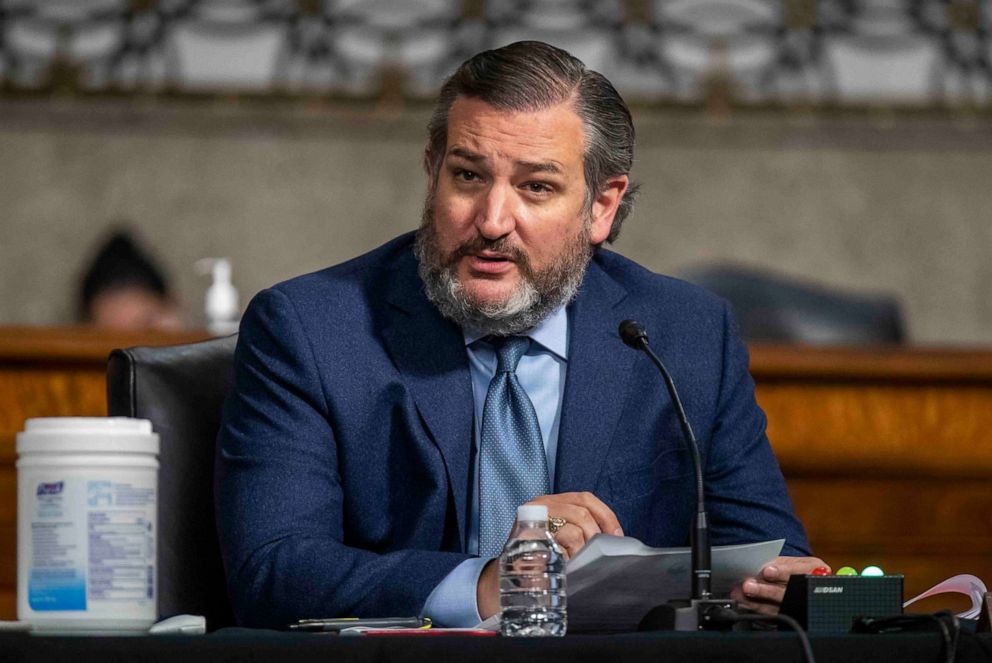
(555, 523)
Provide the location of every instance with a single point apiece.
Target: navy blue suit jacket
(343, 460)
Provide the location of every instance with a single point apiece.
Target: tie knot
(509, 350)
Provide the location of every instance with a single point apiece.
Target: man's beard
(536, 296)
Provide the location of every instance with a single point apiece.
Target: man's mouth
(489, 262)
(490, 256)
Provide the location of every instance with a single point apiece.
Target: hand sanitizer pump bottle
(221, 301)
(532, 578)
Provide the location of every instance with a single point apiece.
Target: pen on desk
(415, 632)
(336, 624)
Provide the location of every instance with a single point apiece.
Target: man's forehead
(544, 139)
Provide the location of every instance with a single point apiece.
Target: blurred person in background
(124, 289)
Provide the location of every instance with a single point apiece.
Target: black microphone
(636, 336)
(681, 617)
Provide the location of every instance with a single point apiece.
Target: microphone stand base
(687, 615)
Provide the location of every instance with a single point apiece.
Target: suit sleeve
(280, 500)
(746, 494)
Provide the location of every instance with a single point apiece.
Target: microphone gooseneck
(634, 334)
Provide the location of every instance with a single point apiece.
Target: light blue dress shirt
(541, 372)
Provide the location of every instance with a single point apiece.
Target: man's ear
(604, 207)
(427, 169)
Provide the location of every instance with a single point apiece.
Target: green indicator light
(872, 572)
(847, 571)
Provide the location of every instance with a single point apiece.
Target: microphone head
(633, 334)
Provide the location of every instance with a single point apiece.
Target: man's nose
(495, 214)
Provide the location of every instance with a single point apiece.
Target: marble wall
(870, 201)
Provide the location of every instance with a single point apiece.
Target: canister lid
(88, 435)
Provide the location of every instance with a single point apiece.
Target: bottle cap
(532, 512)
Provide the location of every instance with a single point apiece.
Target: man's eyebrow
(552, 167)
(542, 167)
(462, 153)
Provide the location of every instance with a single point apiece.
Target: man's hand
(765, 592)
(585, 516)
(487, 590)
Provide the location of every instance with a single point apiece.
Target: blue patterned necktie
(513, 467)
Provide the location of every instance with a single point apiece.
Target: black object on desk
(830, 604)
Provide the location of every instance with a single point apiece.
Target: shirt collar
(551, 333)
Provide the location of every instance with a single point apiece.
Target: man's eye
(466, 175)
(538, 187)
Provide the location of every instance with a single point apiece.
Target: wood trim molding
(889, 364)
(79, 344)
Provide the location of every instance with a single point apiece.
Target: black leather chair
(181, 389)
(771, 307)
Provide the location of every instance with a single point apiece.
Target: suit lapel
(430, 354)
(596, 384)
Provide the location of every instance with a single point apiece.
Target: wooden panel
(883, 509)
(50, 391)
(8, 602)
(8, 527)
(8, 486)
(927, 529)
(8, 554)
(88, 345)
(887, 364)
(868, 428)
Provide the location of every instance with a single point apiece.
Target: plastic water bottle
(532, 578)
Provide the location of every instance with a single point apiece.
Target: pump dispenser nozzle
(220, 303)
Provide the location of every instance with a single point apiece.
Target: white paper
(965, 583)
(614, 580)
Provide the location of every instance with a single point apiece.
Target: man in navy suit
(350, 462)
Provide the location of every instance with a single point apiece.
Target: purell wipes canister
(86, 524)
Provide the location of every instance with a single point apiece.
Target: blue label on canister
(56, 589)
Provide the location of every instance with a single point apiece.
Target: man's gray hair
(531, 76)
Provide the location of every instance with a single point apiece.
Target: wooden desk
(888, 453)
(50, 372)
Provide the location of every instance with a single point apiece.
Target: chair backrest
(770, 307)
(181, 390)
